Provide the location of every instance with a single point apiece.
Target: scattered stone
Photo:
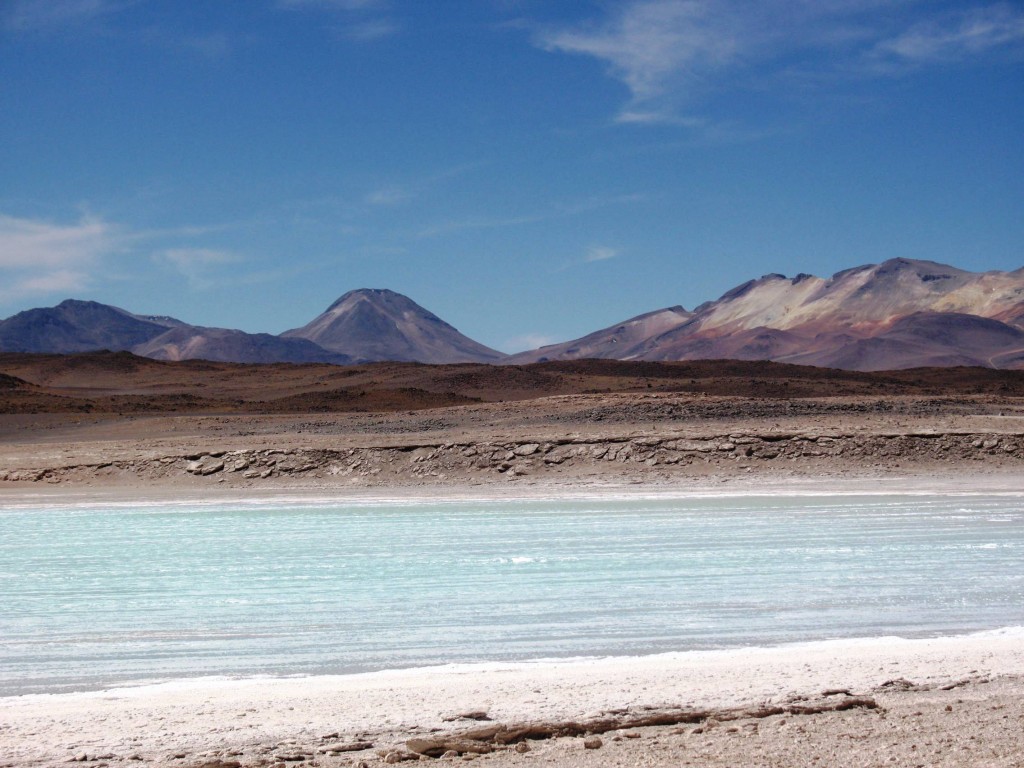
(836, 692)
(899, 684)
(437, 747)
(340, 748)
(593, 742)
(475, 715)
(204, 468)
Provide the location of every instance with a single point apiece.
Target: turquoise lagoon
(95, 596)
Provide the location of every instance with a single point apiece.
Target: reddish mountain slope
(898, 314)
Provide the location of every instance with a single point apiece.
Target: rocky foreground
(659, 458)
(657, 438)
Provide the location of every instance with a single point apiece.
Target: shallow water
(97, 596)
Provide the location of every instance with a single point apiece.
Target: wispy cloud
(592, 255)
(371, 31)
(954, 37)
(553, 212)
(41, 257)
(599, 253)
(363, 21)
(63, 281)
(34, 244)
(648, 45)
(392, 195)
(201, 267)
(49, 15)
(91, 17)
(671, 53)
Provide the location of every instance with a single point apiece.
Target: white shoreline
(387, 707)
(1013, 633)
(1008, 484)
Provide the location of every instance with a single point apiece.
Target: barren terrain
(115, 419)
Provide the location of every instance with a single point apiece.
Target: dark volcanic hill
(78, 326)
(383, 325)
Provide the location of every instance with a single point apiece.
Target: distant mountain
(926, 339)
(87, 326)
(861, 300)
(383, 325)
(78, 326)
(898, 314)
(188, 342)
(608, 343)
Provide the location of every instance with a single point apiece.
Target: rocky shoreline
(438, 462)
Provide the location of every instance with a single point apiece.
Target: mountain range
(898, 314)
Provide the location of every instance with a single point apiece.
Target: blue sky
(530, 170)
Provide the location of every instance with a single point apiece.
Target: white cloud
(40, 257)
(958, 36)
(647, 42)
(670, 53)
(199, 266)
(35, 245)
(600, 253)
(657, 46)
(61, 281)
